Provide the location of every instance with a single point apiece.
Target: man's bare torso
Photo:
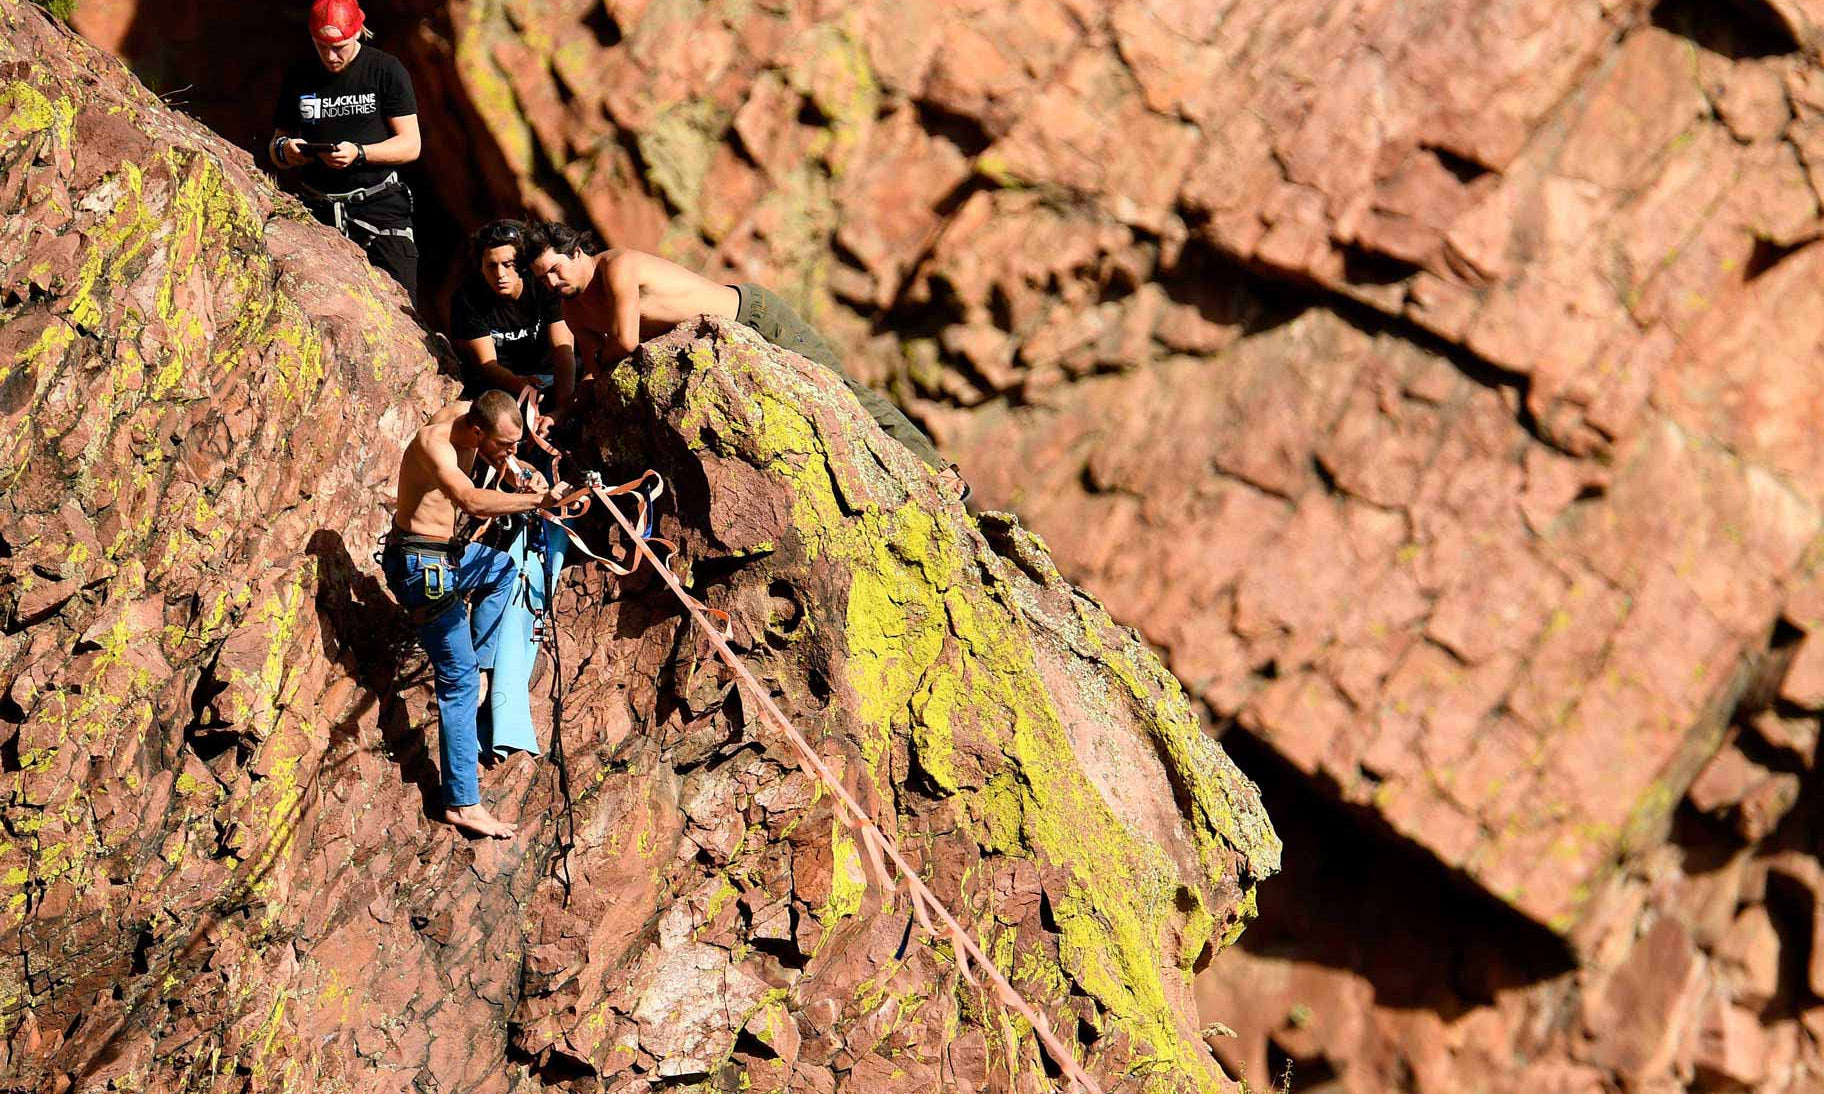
(424, 508)
(667, 294)
(592, 309)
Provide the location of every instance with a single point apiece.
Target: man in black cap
(349, 119)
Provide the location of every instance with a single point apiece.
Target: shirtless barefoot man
(628, 296)
(431, 573)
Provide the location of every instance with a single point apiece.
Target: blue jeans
(460, 643)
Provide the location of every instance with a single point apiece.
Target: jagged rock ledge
(217, 870)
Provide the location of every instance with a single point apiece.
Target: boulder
(1435, 386)
(222, 869)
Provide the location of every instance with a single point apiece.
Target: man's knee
(455, 676)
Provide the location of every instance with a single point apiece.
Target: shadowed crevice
(1740, 30)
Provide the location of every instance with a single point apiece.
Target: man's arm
(402, 147)
(562, 356)
(624, 287)
(488, 366)
(481, 503)
(280, 149)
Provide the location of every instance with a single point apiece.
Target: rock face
(218, 870)
(1036, 756)
(1435, 384)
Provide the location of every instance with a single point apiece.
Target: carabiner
(436, 581)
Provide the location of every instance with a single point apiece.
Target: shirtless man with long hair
(627, 296)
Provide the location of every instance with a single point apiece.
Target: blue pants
(460, 643)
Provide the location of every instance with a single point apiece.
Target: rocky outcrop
(1488, 509)
(1433, 383)
(219, 872)
(1048, 771)
(1538, 326)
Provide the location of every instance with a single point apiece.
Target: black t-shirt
(351, 105)
(517, 326)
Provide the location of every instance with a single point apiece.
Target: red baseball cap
(336, 20)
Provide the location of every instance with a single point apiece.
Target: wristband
(360, 153)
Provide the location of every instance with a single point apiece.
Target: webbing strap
(933, 918)
(341, 220)
(876, 843)
(402, 233)
(646, 491)
(353, 196)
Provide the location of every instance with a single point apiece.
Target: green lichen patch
(977, 662)
(677, 149)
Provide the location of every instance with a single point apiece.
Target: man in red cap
(349, 119)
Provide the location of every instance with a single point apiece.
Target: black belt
(413, 543)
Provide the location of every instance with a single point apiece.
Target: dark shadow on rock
(176, 50)
(367, 636)
(1355, 896)
(1230, 294)
(1740, 30)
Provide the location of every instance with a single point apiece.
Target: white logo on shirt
(314, 108)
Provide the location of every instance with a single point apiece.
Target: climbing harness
(435, 564)
(933, 919)
(343, 221)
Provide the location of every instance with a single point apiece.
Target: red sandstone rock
(1750, 954)
(1804, 682)
(1614, 695)
(1754, 798)
(1731, 1046)
(1636, 1019)
(221, 862)
(1798, 736)
(1560, 567)
(1725, 781)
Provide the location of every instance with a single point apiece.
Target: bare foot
(476, 820)
(950, 479)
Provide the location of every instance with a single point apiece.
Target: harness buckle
(436, 581)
